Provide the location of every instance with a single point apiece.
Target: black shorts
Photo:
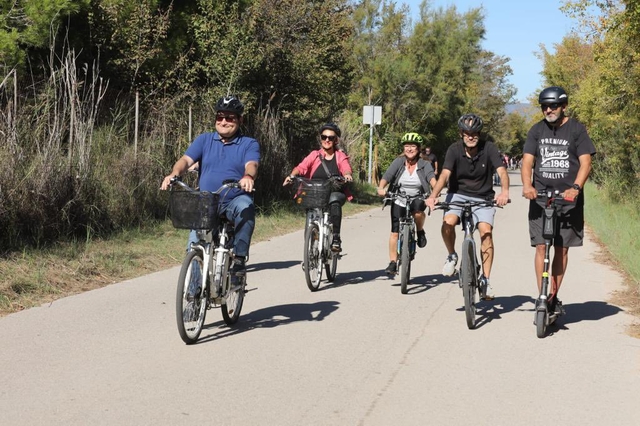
(417, 205)
(569, 226)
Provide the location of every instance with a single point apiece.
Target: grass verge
(34, 277)
(617, 229)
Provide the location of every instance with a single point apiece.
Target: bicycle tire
(234, 299)
(405, 259)
(312, 260)
(468, 278)
(191, 305)
(541, 323)
(331, 266)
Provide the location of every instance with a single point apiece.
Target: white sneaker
(488, 293)
(450, 265)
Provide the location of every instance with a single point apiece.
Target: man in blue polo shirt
(223, 155)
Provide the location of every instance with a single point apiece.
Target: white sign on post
(371, 115)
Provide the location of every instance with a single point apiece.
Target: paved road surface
(355, 353)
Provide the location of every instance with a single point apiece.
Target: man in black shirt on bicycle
(468, 167)
(557, 154)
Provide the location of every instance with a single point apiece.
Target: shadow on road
(490, 310)
(270, 317)
(356, 277)
(425, 282)
(284, 264)
(587, 311)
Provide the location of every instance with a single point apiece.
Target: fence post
(135, 130)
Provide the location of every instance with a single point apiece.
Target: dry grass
(35, 277)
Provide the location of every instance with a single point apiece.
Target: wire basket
(313, 194)
(194, 210)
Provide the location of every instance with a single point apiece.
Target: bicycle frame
(469, 274)
(406, 246)
(214, 281)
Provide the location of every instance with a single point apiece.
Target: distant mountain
(525, 109)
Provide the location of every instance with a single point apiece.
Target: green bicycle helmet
(412, 138)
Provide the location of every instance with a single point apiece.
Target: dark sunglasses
(552, 106)
(328, 137)
(229, 118)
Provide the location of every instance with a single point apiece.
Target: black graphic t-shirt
(557, 153)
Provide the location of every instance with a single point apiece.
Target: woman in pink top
(324, 163)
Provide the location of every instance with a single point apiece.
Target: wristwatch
(576, 187)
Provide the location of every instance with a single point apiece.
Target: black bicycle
(543, 315)
(313, 195)
(470, 272)
(406, 237)
(204, 281)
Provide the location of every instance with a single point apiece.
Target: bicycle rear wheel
(405, 259)
(233, 302)
(468, 278)
(312, 261)
(191, 299)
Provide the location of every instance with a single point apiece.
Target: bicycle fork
(221, 272)
(544, 285)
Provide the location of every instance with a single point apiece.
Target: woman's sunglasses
(328, 137)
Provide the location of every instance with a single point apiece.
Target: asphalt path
(356, 352)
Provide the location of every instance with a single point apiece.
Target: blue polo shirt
(220, 161)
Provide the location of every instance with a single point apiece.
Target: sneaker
(392, 268)
(422, 239)
(336, 244)
(237, 270)
(450, 265)
(555, 307)
(487, 290)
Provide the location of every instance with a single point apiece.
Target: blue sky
(516, 28)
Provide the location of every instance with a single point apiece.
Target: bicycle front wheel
(191, 297)
(405, 259)
(312, 261)
(233, 301)
(468, 278)
(331, 266)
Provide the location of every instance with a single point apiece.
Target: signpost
(371, 115)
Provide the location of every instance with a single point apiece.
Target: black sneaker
(392, 268)
(555, 307)
(237, 270)
(422, 239)
(336, 244)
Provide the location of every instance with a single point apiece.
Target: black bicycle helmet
(553, 95)
(412, 138)
(331, 126)
(230, 104)
(470, 123)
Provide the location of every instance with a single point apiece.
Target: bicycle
(406, 247)
(313, 195)
(470, 272)
(543, 316)
(209, 257)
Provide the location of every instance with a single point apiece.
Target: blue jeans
(242, 212)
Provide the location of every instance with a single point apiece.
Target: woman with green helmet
(414, 176)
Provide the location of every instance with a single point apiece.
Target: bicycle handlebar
(226, 185)
(445, 205)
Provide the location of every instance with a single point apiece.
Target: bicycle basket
(313, 194)
(194, 210)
